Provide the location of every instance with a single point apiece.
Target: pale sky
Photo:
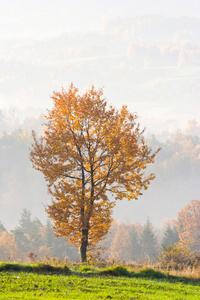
(30, 70)
(38, 19)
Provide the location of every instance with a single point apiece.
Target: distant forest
(31, 241)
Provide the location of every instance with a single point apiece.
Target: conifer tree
(25, 221)
(135, 245)
(148, 242)
(170, 236)
(58, 246)
(49, 235)
(35, 235)
(22, 231)
(2, 228)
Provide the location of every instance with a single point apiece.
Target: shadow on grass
(117, 271)
(148, 273)
(34, 268)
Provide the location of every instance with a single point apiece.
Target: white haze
(146, 54)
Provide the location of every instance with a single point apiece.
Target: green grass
(39, 282)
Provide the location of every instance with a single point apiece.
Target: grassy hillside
(47, 282)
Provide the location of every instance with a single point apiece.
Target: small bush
(151, 273)
(116, 271)
(49, 268)
(176, 257)
(86, 269)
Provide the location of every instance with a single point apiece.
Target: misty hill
(149, 62)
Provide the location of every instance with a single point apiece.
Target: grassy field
(46, 282)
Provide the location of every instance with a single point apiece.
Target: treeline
(134, 242)
(31, 240)
(176, 244)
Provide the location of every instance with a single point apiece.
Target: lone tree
(89, 151)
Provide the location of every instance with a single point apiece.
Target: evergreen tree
(135, 246)
(59, 247)
(170, 236)
(25, 221)
(35, 235)
(148, 242)
(49, 236)
(2, 228)
(63, 249)
(22, 231)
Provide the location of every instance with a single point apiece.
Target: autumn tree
(125, 245)
(188, 225)
(8, 247)
(121, 245)
(89, 150)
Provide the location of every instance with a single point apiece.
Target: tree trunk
(84, 243)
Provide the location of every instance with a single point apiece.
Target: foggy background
(146, 54)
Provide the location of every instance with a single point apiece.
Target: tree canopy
(188, 225)
(89, 152)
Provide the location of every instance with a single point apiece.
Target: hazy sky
(22, 79)
(38, 19)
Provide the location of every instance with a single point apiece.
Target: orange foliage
(8, 247)
(121, 247)
(188, 225)
(44, 252)
(89, 149)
